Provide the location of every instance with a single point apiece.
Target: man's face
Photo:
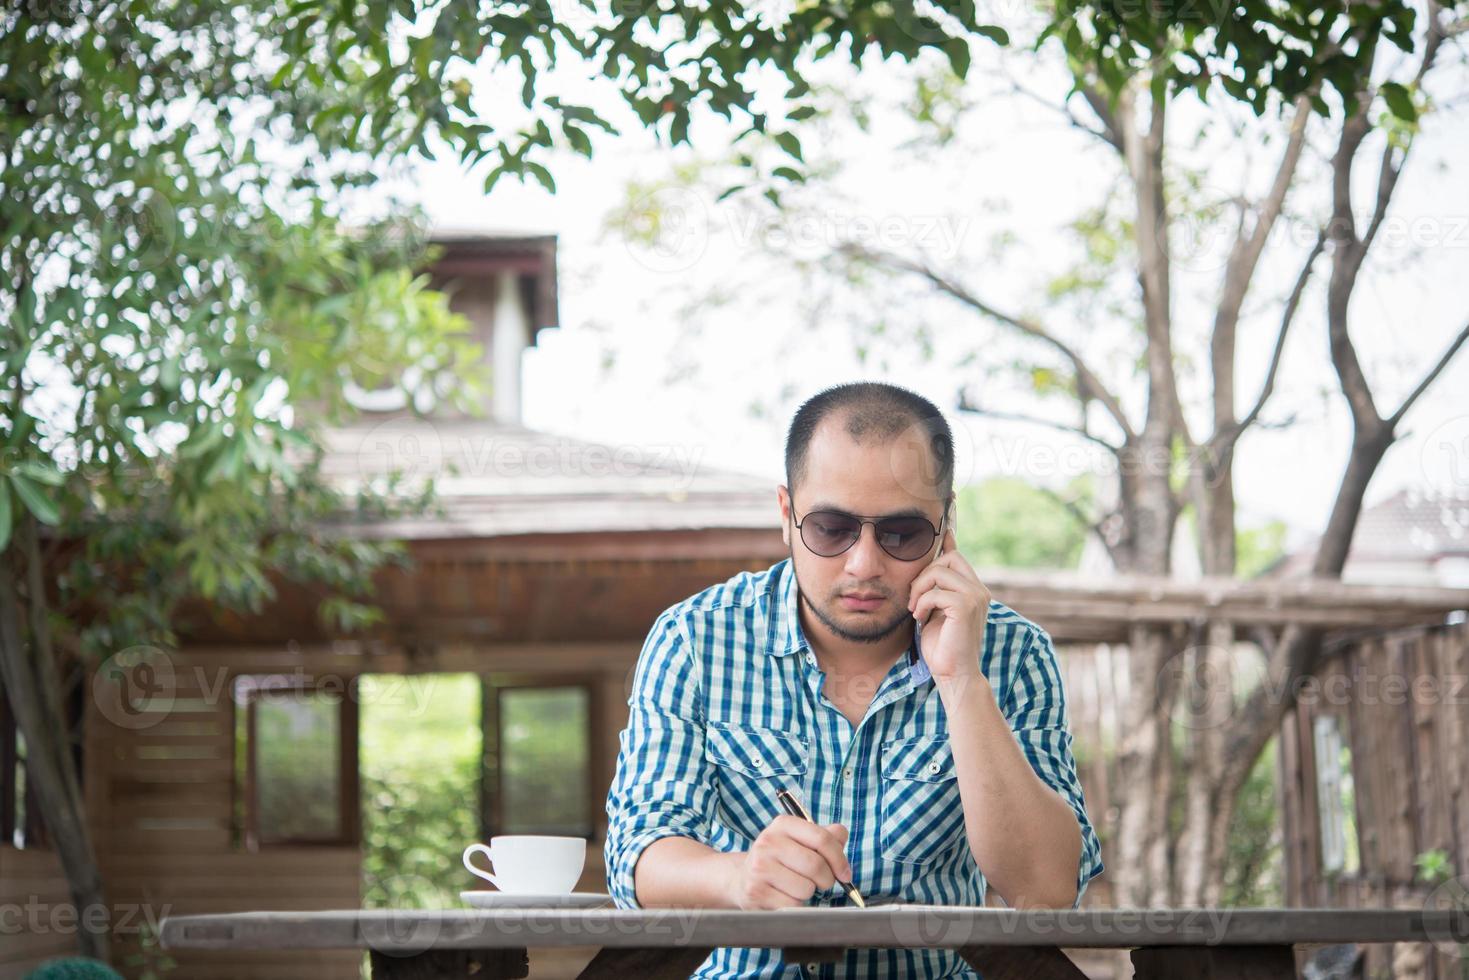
(870, 479)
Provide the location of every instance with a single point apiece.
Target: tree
(1127, 109)
(1131, 117)
(174, 299)
(1297, 80)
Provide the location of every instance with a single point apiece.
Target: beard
(871, 633)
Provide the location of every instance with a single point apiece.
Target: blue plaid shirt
(726, 708)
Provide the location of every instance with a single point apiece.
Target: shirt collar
(786, 636)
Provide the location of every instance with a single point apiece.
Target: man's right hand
(789, 861)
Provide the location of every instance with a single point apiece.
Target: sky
(706, 343)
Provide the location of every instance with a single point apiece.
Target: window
(20, 813)
(296, 762)
(538, 751)
(1336, 797)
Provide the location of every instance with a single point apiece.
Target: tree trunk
(50, 767)
(1210, 682)
(1145, 763)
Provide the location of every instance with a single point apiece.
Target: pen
(791, 805)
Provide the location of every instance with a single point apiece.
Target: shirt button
(933, 767)
(757, 763)
(848, 772)
(812, 966)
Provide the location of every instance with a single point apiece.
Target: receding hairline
(862, 436)
(873, 413)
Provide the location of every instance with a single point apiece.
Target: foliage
(151, 961)
(1257, 51)
(1006, 522)
(1257, 548)
(1434, 866)
(181, 309)
(1253, 872)
(420, 759)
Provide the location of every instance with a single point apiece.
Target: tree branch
(1103, 109)
(1086, 521)
(1244, 258)
(1084, 374)
(1061, 108)
(1428, 378)
(1144, 159)
(966, 406)
(1224, 441)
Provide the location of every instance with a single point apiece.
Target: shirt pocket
(750, 765)
(922, 817)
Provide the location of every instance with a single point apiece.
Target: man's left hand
(956, 604)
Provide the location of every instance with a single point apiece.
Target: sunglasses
(828, 533)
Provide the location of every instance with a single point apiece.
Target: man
(928, 778)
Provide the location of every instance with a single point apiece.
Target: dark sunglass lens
(905, 538)
(828, 533)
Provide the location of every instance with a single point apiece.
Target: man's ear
(783, 499)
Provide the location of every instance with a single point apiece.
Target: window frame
(349, 781)
(492, 772)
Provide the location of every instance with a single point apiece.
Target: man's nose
(865, 558)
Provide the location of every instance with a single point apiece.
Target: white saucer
(519, 900)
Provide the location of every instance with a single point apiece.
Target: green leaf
(958, 51)
(202, 439)
(541, 174)
(40, 473)
(42, 507)
(4, 516)
(997, 34)
(1400, 101)
(579, 140)
(789, 143)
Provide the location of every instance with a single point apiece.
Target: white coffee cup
(531, 864)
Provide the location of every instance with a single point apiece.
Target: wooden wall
(160, 792)
(32, 889)
(160, 797)
(1402, 699)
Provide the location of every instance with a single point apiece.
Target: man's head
(872, 450)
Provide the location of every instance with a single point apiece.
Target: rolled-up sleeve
(1036, 710)
(662, 786)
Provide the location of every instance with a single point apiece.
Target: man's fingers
(810, 865)
(790, 882)
(770, 897)
(819, 838)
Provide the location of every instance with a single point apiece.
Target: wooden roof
(474, 255)
(495, 479)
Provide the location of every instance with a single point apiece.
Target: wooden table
(662, 944)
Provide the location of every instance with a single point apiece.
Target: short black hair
(872, 409)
